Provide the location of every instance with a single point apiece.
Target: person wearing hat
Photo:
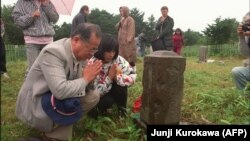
(126, 37)
(57, 90)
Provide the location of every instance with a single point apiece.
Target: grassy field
(210, 97)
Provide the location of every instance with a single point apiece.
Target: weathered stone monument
(203, 54)
(163, 82)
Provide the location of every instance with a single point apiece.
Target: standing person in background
(137, 44)
(3, 69)
(81, 17)
(164, 26)
(117, 26)
(126, 37)
(142, 40)
(178, 41)
(241, 75)
(120, 11)
(36, 19)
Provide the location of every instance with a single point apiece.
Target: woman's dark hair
(178, 29)
(108, 43)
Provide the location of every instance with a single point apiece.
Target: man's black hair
(84, 30)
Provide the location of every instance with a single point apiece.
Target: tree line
(222, 31)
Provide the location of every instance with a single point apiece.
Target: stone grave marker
(163, 83)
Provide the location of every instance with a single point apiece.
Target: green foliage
(105, 20)
(132, 131)
(108, 128)
(247, 90)
(222, 31)
(62, 31)
(211, 96)
(193, 38)
(13, 34)
(150, 29)
(108, 21)
(138, 16)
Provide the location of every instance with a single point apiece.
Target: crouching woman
(115, 77)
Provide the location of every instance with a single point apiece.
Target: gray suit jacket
(52, 70)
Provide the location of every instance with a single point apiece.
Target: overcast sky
(193, 14)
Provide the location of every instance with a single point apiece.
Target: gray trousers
(32, 51)
(241, 75)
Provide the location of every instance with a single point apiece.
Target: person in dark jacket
(164, 26)
(81, 17)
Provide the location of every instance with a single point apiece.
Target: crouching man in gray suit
(62, 71)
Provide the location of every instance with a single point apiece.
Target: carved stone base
(163, 82)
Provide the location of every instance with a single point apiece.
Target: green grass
(210, 97)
